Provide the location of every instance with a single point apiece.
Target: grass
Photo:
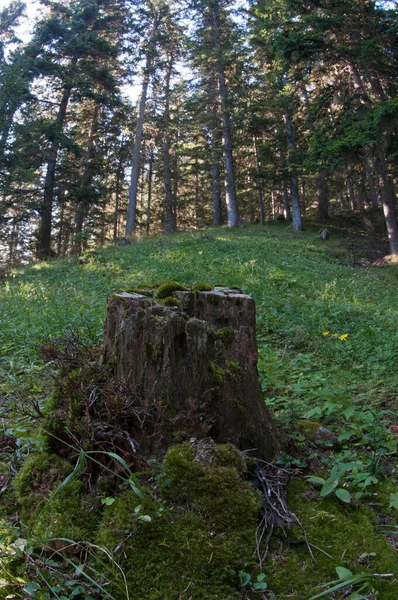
(326, 329)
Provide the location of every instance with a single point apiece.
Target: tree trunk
(388, 201)
(136, 157)
(351, 192)
(258, 180)
(119, 178)
(215, 172)
(323, 205)
(44, 239)
(149, 196)
(296, 209)
(82, 204)
(170, 216)
(371, 183)
(200, 373)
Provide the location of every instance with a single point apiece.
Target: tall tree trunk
(149, 196)
(170, 214)
(82, 205)
(258, 180)
(351, 192)
(119, 178)
(44, 239)
(323, 204)
(296, 209)
(215, 171)
(388, 200)
(136, 157)
(371, 183)
(286, 203)
(230, 190)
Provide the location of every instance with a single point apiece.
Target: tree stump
(197, 361)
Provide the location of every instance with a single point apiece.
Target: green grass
(327, 337)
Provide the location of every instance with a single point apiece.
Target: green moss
(170, 301)
(217, 374)
(167, 288)
(199, 551)
(343, 531)
(51, 512)
(202, 287)
(144, 291)
(227, 334)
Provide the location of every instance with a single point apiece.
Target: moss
(343, 531)
(202, 287)
(144, 291)
(227, 334)
(199, 551)
(170, 301)
(167, 288)
(51, 512)
(217, 374)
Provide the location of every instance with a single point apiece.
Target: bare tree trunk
(296, 209)
(136, 157)
(258, 179)
(215, 172)
(149, 191)
(388, 201)
(286, 203)
(170, 215)
(351, 192)
(371, 183)
(44, 239)
(82, 205)
(323, 204)
(119, 178)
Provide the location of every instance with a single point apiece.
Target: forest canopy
(124, 117)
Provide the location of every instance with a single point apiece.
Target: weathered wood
(198, 361)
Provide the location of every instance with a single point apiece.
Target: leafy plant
(348, 582)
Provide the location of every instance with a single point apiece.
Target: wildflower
(325, 333)
(335, 335)
(344, 337)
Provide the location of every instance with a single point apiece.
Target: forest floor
(327, 336)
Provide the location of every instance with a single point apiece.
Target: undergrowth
(328, 348)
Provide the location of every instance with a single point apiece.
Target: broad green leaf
(328, 487)
(343, 573)
(343, 495)
(313, 479)
(393, 501)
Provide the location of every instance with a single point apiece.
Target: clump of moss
(170, 301)
(167, 288)
(344, 532)
(210, 535)
(202, 287)
(227, 334)
(144, 291)
(51, 511)
(217, 374)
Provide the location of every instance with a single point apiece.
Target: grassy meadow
(328, 350)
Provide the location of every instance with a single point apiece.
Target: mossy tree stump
(197, 361)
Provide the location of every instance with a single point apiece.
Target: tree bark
(82, 204)
(170, 213)
(202, 372)
(371, 183)
(258, 180)
(136, 157)
(296, 209)
(323, 204)
(44, 238)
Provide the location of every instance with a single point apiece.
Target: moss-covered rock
(198, 552)
(49, 510)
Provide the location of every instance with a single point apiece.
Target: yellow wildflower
(325, 333)
(335, 335)
(344, 337)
